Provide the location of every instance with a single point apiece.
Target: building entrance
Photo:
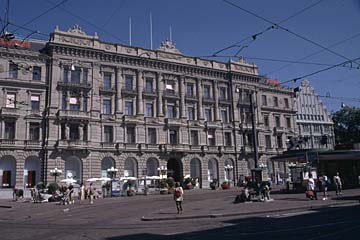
(175, 169)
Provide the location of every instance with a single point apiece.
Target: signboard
(14, 43)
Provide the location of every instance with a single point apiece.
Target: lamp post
(228, 168)
(162, 171)
(112, 171)
(55, 172)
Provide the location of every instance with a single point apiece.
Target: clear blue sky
(202, 27)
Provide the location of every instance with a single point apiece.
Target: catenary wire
(287, 30)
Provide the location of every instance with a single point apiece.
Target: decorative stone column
(216, 97)
(160, 89)
(182, 97)
(119, 81)
(139, 98)
(200, 100)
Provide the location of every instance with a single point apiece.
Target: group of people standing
(322, 185)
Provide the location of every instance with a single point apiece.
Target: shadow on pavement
(326, 223)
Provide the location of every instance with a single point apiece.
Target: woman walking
(178, 197)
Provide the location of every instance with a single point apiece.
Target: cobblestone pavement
(124, 216)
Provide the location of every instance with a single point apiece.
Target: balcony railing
(32, 143)
(128, 91)
(10, 111)
(208, 99)
(73, 114)
(73, 143)
(171, 94)
(107, 90)
(150, 93)
(83, 85)
(173, 121)
(191, 97)
(108, 145)
(8, 142)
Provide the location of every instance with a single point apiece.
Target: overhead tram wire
(89, 23)
(39, 16)
(254, 36)
(317, 52)
(287, 30)
(319, 71)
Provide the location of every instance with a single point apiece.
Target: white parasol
(68, 180)
(92, 180)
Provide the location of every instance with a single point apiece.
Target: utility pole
(254, 132)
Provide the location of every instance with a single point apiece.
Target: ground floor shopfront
(24, 169)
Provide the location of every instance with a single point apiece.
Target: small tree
(53, 187)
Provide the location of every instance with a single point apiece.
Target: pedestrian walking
(178, 197)
(311, 188)
(71, 193)
(91, 193)
(324, 180)
(82, 192)
(338, 184)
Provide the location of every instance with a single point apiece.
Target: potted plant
(225, 185)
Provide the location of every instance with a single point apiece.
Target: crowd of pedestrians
(322, 185)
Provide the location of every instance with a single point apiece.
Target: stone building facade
(315, 126)
(107, 105)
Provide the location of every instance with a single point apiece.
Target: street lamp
(228, 168)
(55, 172)
(162, 171)
(112, 171)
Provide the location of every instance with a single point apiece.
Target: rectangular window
(211, 137)
(10, 100)
(108, 134)
(107, 80)
(130, 133)
(149, 112)
(74, 103)
(74, 132)
(152, 135)
(266, 121)
(63, 102)
(264, 100)
(170, 111)
(9, 130)
(224, 116)
(13, 70)
(149, 85)
(191, 113)
(228, 140)
(66, 74)
(189, 89)
(277, 121)
(279, 141)
(288, 122)
(75, 75)
(208, 115)
(129, 110)
(194, 138)
(129, 82)
(173, 134)
(35, 102)
(286, 101)
(222, 93)
(34, 131)
(207, 94)
(36, 73)
(85, 104)
(268, 141)
(85, 75)
(276, 102)
(106, 106)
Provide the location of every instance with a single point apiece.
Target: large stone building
(315, 126)
(82, 105)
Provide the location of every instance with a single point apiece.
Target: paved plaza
(155, 216)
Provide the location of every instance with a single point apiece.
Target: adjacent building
(315, 126)
(82, 105)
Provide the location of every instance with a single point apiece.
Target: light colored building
(315, 126)
(138, 110)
